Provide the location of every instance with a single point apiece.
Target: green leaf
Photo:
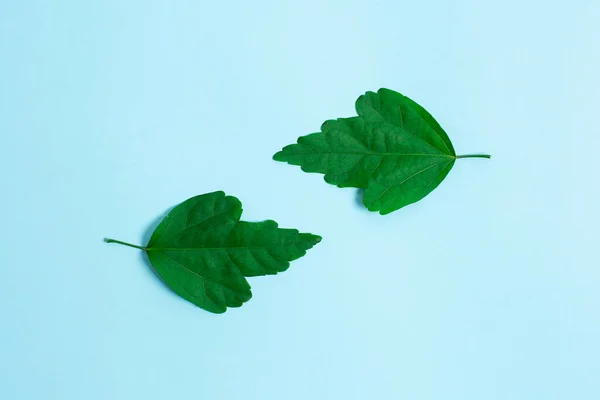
(394, 150)
(204, 252)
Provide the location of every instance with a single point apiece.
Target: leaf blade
(379, 150)
(204, 253)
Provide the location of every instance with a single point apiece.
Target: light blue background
(111, 112)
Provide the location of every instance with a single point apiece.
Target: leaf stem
(108, 240)
(474, 156)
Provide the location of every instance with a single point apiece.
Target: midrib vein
(381, 154)
(215, 248)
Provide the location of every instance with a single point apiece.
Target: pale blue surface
(113, 111)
